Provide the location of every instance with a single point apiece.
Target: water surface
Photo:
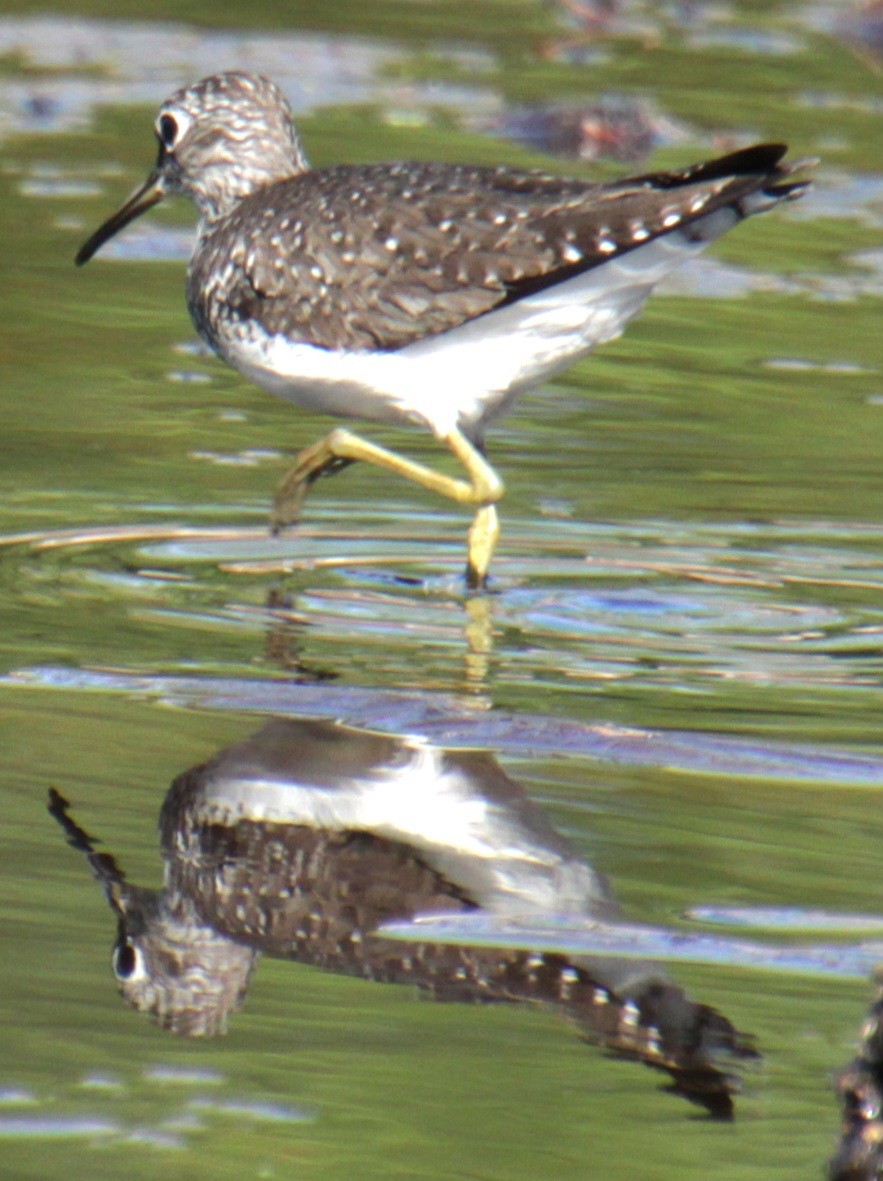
(681, 659)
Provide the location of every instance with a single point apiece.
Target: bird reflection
(298, 842)
(859, 1154)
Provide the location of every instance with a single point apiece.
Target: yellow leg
(481, 542)
(482, 488)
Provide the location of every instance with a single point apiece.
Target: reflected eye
(167, 130)
(127, 960)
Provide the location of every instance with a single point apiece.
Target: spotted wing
(376, 257)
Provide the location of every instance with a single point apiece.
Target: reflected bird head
(188, 977)
(185, 975)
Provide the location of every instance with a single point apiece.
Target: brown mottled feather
(379, 256)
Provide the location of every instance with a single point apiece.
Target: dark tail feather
(753, 161)
(655, 1023)
(762, 161)
(695, 1045)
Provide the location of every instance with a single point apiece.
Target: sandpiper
(300, 841)
(416, 293)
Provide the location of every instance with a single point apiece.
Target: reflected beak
(149, 194)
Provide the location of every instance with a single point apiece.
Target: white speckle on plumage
(629, 1014)
(670, 220)
(567, 978)
(571, 253)
(391, 244)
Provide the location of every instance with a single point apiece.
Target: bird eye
(127, 960)
(167, 130)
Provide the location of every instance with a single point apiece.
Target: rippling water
(680, 660)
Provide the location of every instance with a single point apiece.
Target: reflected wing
(457, 811)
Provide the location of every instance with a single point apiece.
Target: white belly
(471, 374)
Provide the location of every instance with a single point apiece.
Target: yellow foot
(482, 489)
(292, 489)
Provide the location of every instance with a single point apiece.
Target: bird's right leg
(483, 488)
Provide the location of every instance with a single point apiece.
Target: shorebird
(412, 293)
(300, 841)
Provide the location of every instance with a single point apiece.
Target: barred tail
(653, 1022)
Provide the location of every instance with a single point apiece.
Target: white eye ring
(171, 127)
(128, 962)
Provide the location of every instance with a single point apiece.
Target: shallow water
(681, 658)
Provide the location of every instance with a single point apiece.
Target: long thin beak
(103, 865)
(149, 194)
